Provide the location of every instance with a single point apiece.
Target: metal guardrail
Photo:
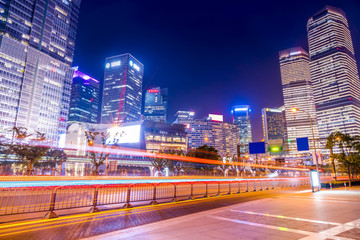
(50, 199)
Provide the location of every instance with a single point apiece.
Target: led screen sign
(153, 90)
(128, 134)
(216, 118)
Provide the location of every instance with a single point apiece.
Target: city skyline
(167, 61)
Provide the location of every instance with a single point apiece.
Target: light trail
(143, 153)
(45, 183)
(36, 225)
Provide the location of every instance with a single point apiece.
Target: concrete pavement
(297, 215)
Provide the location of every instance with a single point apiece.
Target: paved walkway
(300, 215)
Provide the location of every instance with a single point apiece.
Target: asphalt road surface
(278, 214)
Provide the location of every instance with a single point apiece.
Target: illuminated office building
(297, 92)
(213, 132)
(84, 100)
(274, 125)
(334, 72)
(241, 117)
(144, 135)
(184, 117)
(155, 108)
(37, 41)
(122, 90)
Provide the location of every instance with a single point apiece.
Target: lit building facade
(122, 90)
(241, 117)
(156, 101)
(84, 100)
(222, 136)
(297, 92)
(141, 135)
(184, 117)
(37, 41)
(334, 72)
(274, 125)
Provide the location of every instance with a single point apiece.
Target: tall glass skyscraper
(37, 40)
(155, 108)
(274, 124)
(122, 89)
(334, 72)
(297, 92)
(84, 101)
(241, 117)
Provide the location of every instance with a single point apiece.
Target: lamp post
(313, 138)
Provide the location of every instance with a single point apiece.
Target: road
(45, 183)
(277, 214)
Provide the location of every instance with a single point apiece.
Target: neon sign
(153, 90)
(132, 64)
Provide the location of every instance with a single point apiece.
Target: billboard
(302, 144)
(128, 134)
(257, 147)
(216, 117)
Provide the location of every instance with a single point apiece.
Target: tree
(29, 152)
(159, 163)
(54, 158)
(206, 152)
(330, 144)
(98, 158)
(349, 156)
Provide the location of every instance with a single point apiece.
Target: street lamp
(313, 137)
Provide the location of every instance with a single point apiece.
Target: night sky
(210, 54)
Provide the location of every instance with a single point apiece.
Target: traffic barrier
(50, 199)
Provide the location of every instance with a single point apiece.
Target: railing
(49, 199)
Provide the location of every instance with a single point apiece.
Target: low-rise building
(212, 131)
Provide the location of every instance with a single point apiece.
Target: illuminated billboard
(128, 134)
(217, 118)
(153, 90)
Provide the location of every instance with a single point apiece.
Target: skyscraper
(241, 117)
(297, 92)
(122, 89)
(155, 108)
(222, 136)
(84, 100)
(334, 72)
(274, 124)
(184, 117)
(37, 40)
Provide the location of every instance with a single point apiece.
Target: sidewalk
(302, 215)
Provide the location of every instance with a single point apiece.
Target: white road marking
(263, 225)
(325, 200)
(284, 217)
(332, 232)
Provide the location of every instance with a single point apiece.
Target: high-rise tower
(122, 89)
(84, 101)
(37, 41)
(334, 72)
(155, 108)
(241, 117)
(297, 92)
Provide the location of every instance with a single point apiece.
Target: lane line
(332, 232)
(284, 217)
(263, 225)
